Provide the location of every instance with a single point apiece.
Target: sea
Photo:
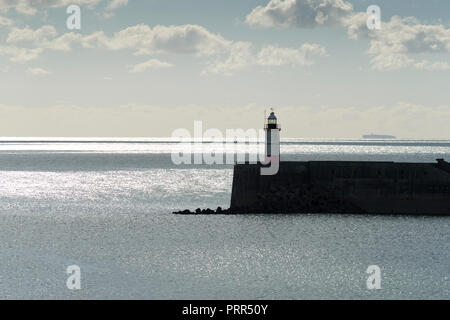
(105, 206)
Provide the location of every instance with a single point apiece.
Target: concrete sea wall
(343, 187)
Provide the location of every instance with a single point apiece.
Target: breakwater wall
(343, 187)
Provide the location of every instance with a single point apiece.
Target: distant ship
(378, 136)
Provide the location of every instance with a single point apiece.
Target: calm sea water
(105, 205)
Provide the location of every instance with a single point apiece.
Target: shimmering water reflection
(107, 208)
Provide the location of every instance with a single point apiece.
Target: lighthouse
(272, 147)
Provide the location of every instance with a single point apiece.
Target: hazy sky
(147, 67)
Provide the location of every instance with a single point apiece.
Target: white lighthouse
(272, 147)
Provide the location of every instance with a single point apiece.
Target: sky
(144, 68)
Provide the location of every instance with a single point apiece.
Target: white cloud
(20, 55)
(191, 39)
(38, 71)
(27, 34)
(150, 64)
(142, 39)
(44, 38)
(356, 25)
(29, 7)
(115, 4)
(5, 21)
(405, 120)
(34, 42)
(63, 42)
(241, 56)
(399, 43)
(108, 15)
(300, 13)
(431, 66)
(179, 39)
(228, 56)
(276, 56)
(183, 39)
(25, 8)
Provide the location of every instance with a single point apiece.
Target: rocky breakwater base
(207, 211)
(230, 211)
(288, 201)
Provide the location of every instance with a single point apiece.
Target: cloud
(25, 44)
(196, 40)
(38, 71)
(405, 120)
(178, 39)
(142, 39)
(400, 43)
(46, 37)
(304, 56)
(431, 66)
(300, 13)
(20, 55)
(29, 7)
(37, 36)
(241, 56)
(115, 4)
(25, 8)
(5, 21)
(150, 64)
(400, 40)
(108, 15)
(183, 39)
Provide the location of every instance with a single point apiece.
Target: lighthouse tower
(272, 147)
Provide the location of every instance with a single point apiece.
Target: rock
(182, 212)
(208, 211)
